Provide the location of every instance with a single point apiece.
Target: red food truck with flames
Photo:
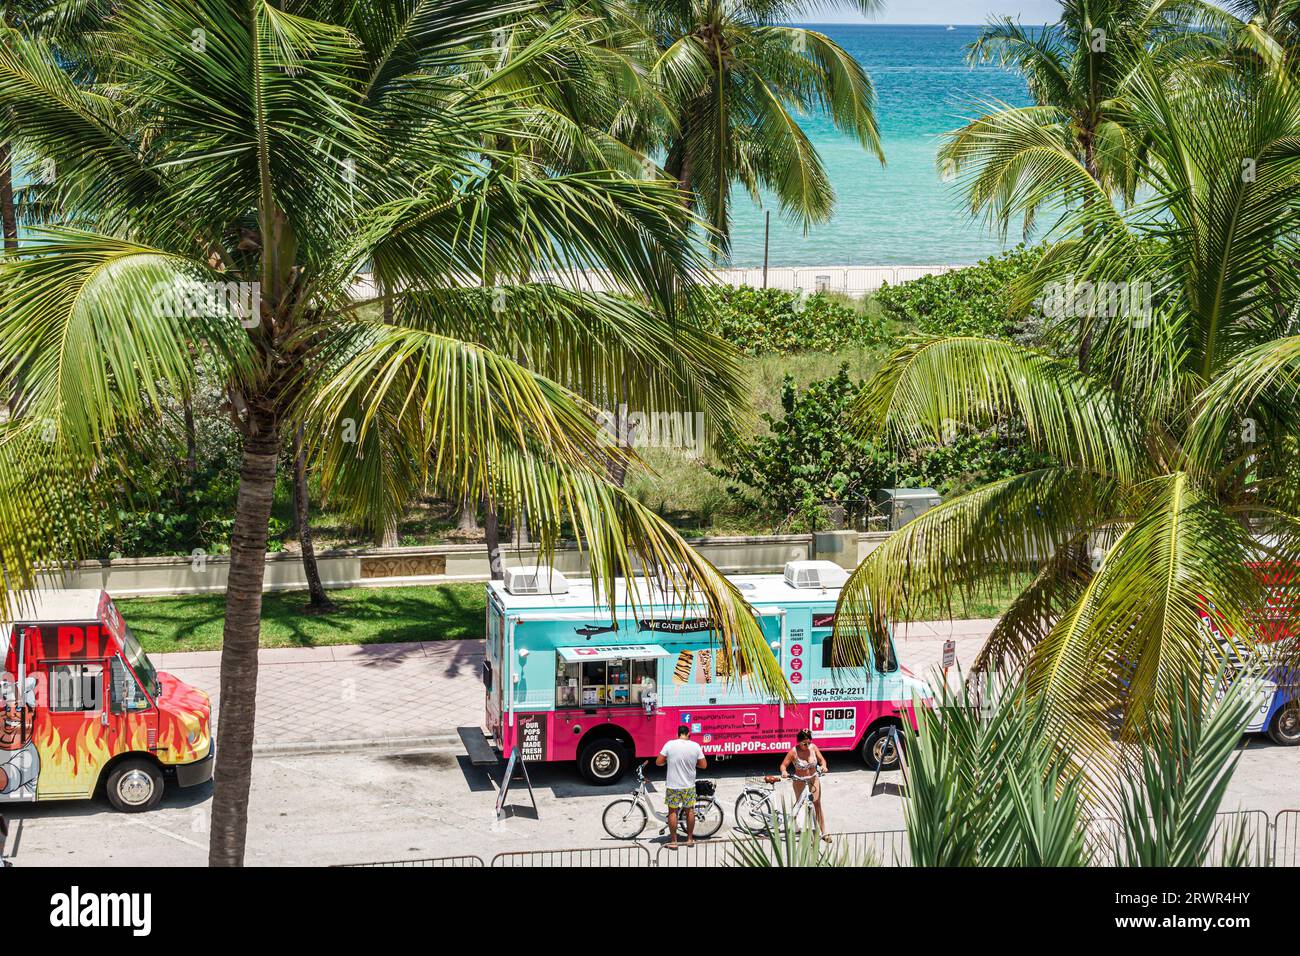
(84, 710)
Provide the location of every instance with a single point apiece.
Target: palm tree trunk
(467, 523)
(1088, 139)
(8, 211)
(492, 535)
(191, 444)
(319, 601)
(239, 641)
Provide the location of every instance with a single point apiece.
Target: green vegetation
(441, 612)
(1166, 409)
(996, 782)
(971, 301)
(775, 322)
(728, 83)
(445, 612)
(807, 357)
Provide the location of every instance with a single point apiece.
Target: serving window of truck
(591, 676)
(566, 680)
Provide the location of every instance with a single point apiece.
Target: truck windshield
(140, 663)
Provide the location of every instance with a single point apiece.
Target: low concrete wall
(388, 567)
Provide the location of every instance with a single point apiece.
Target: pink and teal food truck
(566, 680)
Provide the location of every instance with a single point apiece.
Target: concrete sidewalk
(353, 696)
(362, 694)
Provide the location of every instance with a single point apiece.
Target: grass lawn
(992, 598)
(382, 616)
(364, 616)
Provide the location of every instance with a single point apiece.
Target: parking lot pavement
(351, 808)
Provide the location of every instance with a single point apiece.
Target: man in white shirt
(682, 757)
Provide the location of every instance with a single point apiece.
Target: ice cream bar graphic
(721, 666)
(682, 672)
(704, 673)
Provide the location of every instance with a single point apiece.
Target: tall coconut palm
(316, 151)
(1270, 29)
(727, 83)
(1015, 161)
(1175, 443)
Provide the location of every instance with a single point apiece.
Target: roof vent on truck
(815, 574)
(542, 579)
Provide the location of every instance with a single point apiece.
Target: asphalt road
(365, 807)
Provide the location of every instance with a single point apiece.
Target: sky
(947, 11)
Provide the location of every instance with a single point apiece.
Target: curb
(437, 742)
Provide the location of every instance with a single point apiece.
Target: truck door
(493, 676)
(20, 762)
(74, 731)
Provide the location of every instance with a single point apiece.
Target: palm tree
(724, 83)
(791, 847)
(1174, 443)
(1269, 30)
(258, 172)
(990, 783)
(1017, 161)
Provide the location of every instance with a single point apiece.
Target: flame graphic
(184, 711)
(71, 761)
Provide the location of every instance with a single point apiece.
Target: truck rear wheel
(135, 786)
(603, 761)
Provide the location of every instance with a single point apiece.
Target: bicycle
(626, 817)
(755, 809)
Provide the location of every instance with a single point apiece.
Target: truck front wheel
(879, 751)
(1284, 728)
(135, 786)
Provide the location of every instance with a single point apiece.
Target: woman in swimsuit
(806, 759)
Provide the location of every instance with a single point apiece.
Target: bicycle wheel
(624, 819)
(753, 812)
(708, 818)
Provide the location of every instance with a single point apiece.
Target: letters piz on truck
(83, 708)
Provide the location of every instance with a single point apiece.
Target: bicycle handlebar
(790, 776)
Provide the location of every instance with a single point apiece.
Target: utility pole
(767, 234)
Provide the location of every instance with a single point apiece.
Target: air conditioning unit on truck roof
(815, 574)
(542, 579)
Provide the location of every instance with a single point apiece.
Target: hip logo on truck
(834, 721)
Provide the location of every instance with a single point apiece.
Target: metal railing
(1256, 828)
(1274, 842)
(876, 847)
(1286, 838)
(704, 853)
(633, 854)
(434, 861)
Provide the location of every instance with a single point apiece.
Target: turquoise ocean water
(901, 214)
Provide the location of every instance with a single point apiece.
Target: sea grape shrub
(777, 322)
(809, 452)
(973, 458)
(810, 457)
(972, 301)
